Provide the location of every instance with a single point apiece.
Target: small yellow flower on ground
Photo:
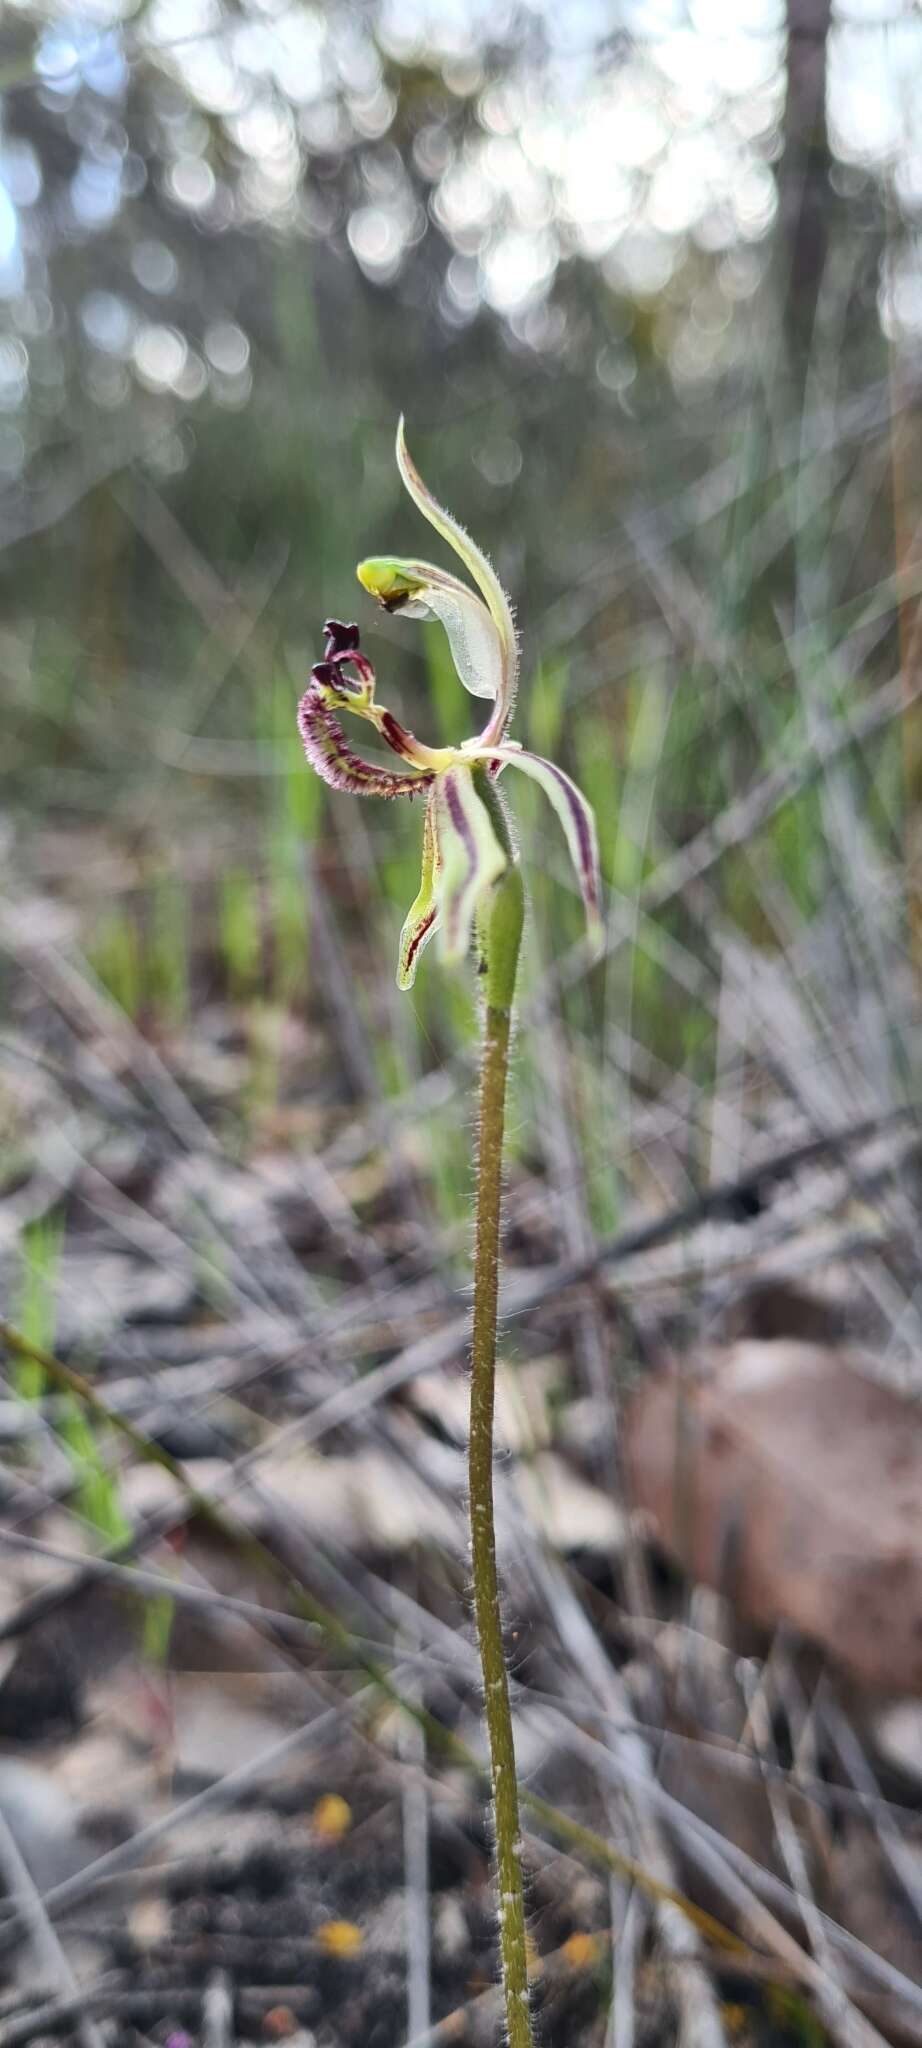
(331, 1818)
(340, 1938)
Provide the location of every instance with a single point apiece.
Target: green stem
(500, 935)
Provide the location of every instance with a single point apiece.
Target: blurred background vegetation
(645, 279)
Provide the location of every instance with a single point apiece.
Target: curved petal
(422, 917)
(482, 571)
(418, 590)
(451, 530)
(330, 754)
(468, 857)
(578, 822)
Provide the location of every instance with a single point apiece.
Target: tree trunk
(803, 173)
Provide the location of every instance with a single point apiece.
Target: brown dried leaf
(792, 1481)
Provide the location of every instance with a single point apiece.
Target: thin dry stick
(895, 1849)
(693, 1991)
(719, 1861)
(904, 431)
(311, 1610)
(786, 1834)
(218, 2011)
(48, 1952)
(414, 1801)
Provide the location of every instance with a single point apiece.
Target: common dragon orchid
(462, 854)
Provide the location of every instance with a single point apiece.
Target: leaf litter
(221, 1283)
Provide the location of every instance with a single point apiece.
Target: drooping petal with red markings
(468, 857)
(578, 823)
(422, 917)
(330, 754)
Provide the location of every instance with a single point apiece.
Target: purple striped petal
(468, 857)
(329, 752)
(578, 823)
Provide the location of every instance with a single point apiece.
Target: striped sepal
(468, 857)
(578, 823)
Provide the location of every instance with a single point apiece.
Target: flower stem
(500, 932)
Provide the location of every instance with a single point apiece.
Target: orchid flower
(462, 855)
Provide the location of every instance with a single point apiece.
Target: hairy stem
(499, 936)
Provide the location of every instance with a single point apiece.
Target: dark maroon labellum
(340, 639)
